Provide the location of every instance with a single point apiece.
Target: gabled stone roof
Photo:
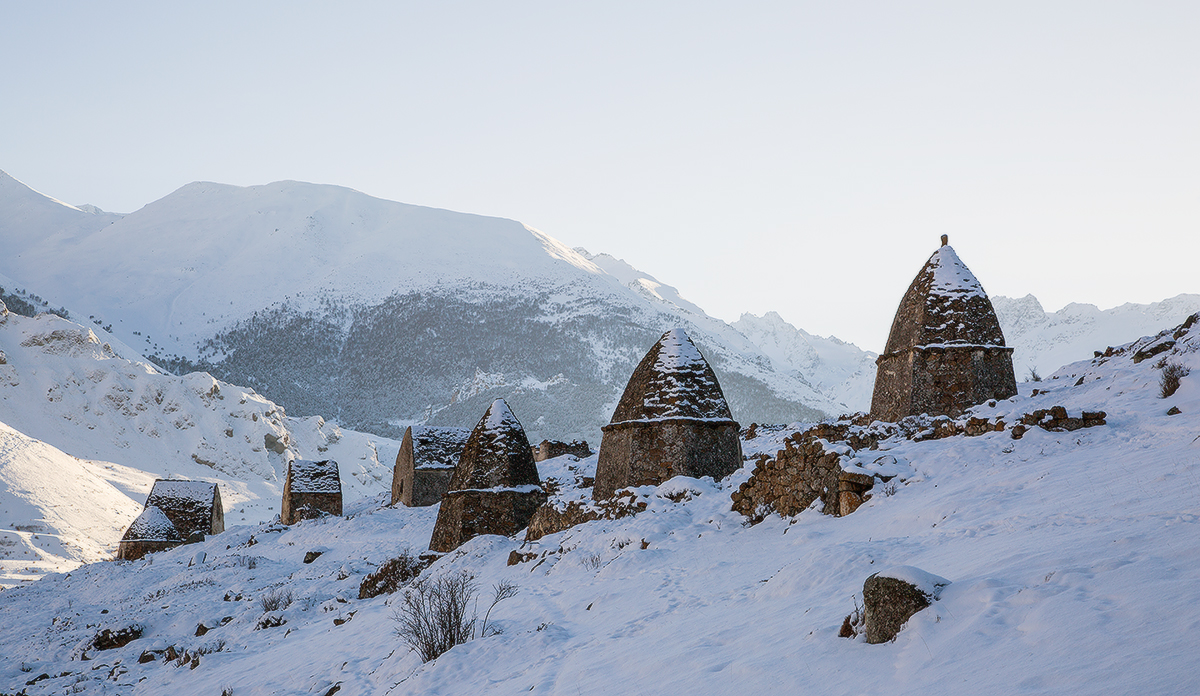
(944, 306)
(497, 454)
(673, 381)
(190, 505)
(152, 525)
(437, 448)
(314, 477)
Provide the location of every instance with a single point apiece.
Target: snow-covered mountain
(379, 313)
(87, 425)
(834, 366)
(1044, 341)
(1073, 560)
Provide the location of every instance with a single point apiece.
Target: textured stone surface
(672, 420)
(549, 449)
(311, 489)
(810, 467)
(495, 488)
(551, 519)
(465, 515)
(194, 507)
(425, 464)
(945, 351)
(887, 604)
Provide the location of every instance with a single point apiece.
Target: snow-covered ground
(64, 393)
(1074, 561)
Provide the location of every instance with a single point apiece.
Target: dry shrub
(1168, 381)
(391, 576)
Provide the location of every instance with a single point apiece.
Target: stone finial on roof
(945, 240)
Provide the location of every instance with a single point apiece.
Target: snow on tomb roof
(437, 448)
(673, 381)
(152, 525)
(197, 491)
(944, 306)
(314, 477)
(497, 453)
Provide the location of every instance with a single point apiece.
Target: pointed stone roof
(152, 525)
(673, 381)
(497, 454)
(944, 306)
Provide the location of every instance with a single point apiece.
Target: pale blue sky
(796, 156)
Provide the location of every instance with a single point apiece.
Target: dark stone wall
(308, 506)
(402, 471)
(549, 449)
(940, 381)
(135, 549)
(641, 453)
(429, 486)
(465, 515)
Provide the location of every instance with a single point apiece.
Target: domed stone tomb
(672, 420)
(945, 352)
(495, 488)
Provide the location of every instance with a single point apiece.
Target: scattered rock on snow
(892, 596)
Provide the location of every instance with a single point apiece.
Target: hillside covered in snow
(87, 425)
(376, 313)
(1073, 562)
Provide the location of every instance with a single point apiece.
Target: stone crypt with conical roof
(495, 488)
(946, 351)
(672, 420)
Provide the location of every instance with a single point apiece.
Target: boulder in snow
(892, 596)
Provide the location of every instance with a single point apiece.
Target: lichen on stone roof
(197, 491)
(314, 477)
(672, 381)
(497, 453)
(152, 525)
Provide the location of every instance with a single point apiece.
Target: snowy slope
(57, 511)
(61, 385)
(383, 314)
(1074, 561)
(1047, 340)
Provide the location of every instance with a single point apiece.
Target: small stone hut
(672, 420)
(194, 507)
(312, 489)
(495, 488)
(946, 351)
(549, 449)
(426, 463)
(151, 531)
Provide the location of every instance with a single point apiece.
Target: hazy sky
(794, 156)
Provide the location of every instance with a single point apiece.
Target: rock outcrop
(495, 488)
(672, 420)
(892, 596)
(946, 351)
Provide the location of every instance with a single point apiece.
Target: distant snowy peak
(29, 218)
(1043, 341)
(840, 369)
